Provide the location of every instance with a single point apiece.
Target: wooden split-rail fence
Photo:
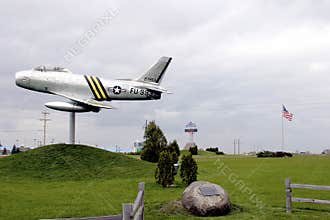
(289, 199)
(135, 211)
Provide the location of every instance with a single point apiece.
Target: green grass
(77, 181)
(71, 162)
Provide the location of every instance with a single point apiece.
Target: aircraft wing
(99, 104)
(90, 102)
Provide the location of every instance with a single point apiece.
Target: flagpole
(282, 132)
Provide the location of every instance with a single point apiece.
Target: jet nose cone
(22, 78)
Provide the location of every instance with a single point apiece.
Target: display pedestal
(189, 145)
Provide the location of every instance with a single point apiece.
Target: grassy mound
(72, 162)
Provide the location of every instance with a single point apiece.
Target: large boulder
(206, 199)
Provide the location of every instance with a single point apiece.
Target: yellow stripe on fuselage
(93, 86)
(99, 87)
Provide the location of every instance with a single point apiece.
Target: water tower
(190, 129)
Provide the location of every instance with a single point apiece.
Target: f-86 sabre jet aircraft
(91, 93)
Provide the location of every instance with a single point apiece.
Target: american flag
(286, 114)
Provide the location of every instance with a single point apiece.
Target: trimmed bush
(212, 149)
(188, 169)
(274, 154)
(164, 173)
(173, 147)
(215, 150)
(193, 150)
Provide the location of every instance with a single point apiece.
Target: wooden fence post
(141, 188)
(288, 191)
(127, 211)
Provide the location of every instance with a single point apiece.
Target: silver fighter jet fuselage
(89, 92)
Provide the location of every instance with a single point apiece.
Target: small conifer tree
(165, 168)
(14, 151)
(188, 170)
(154, 144)
(173, 147)
(193, 150)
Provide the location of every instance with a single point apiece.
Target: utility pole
(118, 149)
(145, 128)
(45, 119)
(234, 146)
(238, 146)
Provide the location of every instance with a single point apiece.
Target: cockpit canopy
(51, 69)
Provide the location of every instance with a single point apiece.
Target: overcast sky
(234, 64)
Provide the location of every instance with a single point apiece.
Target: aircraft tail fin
(156, 72)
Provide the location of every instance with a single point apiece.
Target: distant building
(5, 148)
(138, 146)
(23, 149)
(9, 149)
(305, 153)
(251, 153)
(326, 151)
